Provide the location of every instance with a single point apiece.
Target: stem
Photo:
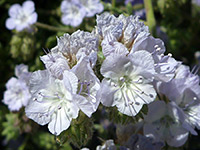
(52, 28)
(150, 16)
(113, 3)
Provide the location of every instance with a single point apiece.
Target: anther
(170, 55)
(137, 103)
(158, 49)
(121, 79)
(151, 96)
(156, 46)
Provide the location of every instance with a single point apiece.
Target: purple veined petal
(70, 81)
(10, 23)
(84, 105)
(14, 10)
(61, 120)
(179, 136)
(33, 18)
(28, 7)
(106, 93)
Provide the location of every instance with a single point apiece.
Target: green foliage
(11, 126)
(22, 46)
(179, 21)
(79, 133)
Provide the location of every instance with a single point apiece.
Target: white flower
(184, 90)
(70, 50)
(128, 82)
(92, 7)
(78, 45)
(55, 102)
(21, 17)
(73, 13)
(126, 35)
(164, 123)
(17, 92)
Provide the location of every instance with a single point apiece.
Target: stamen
(81, 88)
(137, 103)
(139, 81)
(113, 84)
(158, 49)
(170, 55)
(49, 55)
(156, 46)
(122, 79)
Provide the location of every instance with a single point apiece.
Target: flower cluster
(75, 10)
(134, 72)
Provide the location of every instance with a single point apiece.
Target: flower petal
(10, 23)
(28, 7)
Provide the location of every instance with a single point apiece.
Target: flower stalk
(151, 22)
(52, 28)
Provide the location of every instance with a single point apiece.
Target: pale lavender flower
(92, 7)
(17, 92)
(128, 82)
(77, 46)
(126, 35)
(21, 17)
(55, 102)
(69, 51)
(197, 2)
(73, 13)
(164, 123)
(184, 90)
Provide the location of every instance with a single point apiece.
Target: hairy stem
(52, 28)
(113, 3)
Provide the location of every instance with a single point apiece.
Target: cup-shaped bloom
(164, 123)
(55, 102)
(21, 17)
(128, 82)
(17, 91)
